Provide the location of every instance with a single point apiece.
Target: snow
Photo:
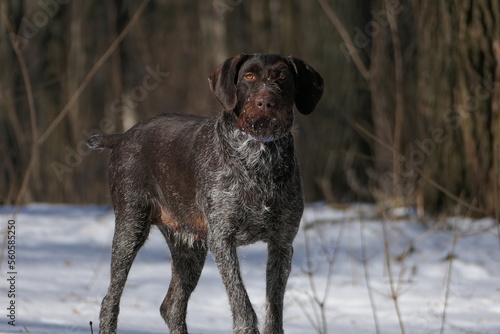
(63, 254)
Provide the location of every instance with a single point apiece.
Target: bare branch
(399, 88)
(360, 65)
(31, 103)
(367, 277)
(426, 177)
(394, 293)
(449, 272)
(93, 71)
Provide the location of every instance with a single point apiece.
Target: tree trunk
(459, 92)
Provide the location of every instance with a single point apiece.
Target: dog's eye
(282, 76)
(249, 76)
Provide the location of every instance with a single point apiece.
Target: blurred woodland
(410, 114)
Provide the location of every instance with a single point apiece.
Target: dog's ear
(223, 81)
(308, 86)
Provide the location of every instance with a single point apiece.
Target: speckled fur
(212, 184)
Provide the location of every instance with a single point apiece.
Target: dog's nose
(265, 102)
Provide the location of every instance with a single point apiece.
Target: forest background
(410, 115)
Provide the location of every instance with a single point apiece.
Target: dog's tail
(103, 141)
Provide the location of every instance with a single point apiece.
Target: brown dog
(214, 184)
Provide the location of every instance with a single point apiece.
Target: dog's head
(261, 90)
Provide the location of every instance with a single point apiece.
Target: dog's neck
(229, 118)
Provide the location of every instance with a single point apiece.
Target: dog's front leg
(279, 263)
(226, 258)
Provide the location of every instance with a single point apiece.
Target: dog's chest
(248, 211)
(248, 194)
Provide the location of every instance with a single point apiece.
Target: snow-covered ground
(62, 272)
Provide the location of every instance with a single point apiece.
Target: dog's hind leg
(131, 231)
(187, 265)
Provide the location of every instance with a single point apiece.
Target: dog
(213, 184)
